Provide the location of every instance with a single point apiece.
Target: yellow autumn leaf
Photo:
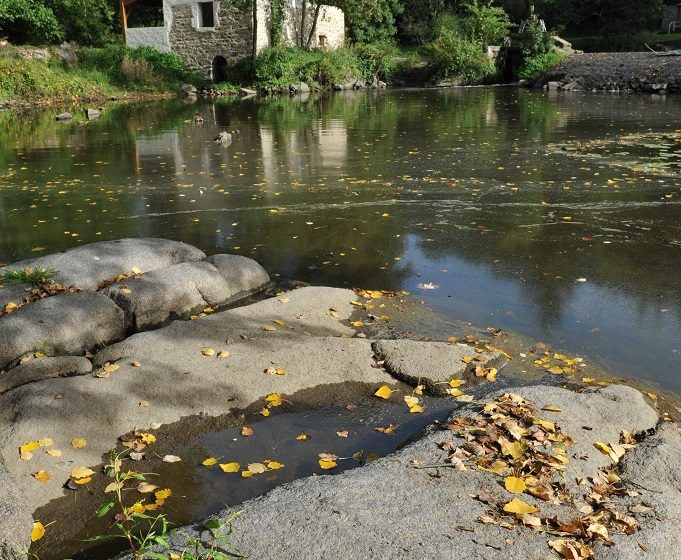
(515, 449)
(274, 399)
(113, 487)
(416, 409)
(383, 392)
(455, 392)
(81, 472)
(209, 462)
(588, 379)
(78, 443)
(497, 467)
(515, 485)
(30, 446)
(42, 476)
(492, 375)
(603, 447)
(274, 465)
(327, 464)
(257, 468)
(467, 359)
(269, 328)
(551, 408)
(246, 431)
(46, 442)
(555, 370)
(223, 354)
(83, 481)
(518, 507)
(246, 474)
(137, 508)
(146, 438)
(53, 452)
(230, 467)
(208, 352)
(357, 324)
(410, 400)
(146, 487)
(265, 412)
(162, 495)
(110, 368)
(302, 437)
(38, 531)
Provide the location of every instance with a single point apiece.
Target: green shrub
(452, 55)
(376, 60)
(484, 23)
(535, 66)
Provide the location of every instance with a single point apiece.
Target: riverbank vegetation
(404, 41)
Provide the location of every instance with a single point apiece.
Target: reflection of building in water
(304, 152)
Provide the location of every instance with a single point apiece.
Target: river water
(551, 214)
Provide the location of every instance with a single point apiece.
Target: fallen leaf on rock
(551, 408)
(209, 462)
(78, 442)
(136, 364)
(519, 508)
(264, 412)
(274, 399)
(223, 354)
(465, 398)
(603, 447)
(208, 352)
(269, 328)
(515, 485)
(53, 452)
(230, 467)
(38, 531)
(276, 371)
(515, 449)
(42, 476)
(571, 549)
(81, 472)
(171, 459)
(383, 392)
(279, 322)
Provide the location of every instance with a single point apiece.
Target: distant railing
(673, 26)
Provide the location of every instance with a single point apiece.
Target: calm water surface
(505, 200)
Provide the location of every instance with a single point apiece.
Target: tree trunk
(303, 17)
(318, 9)
(254, 52)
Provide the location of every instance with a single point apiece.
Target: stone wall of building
(231, 37)
(329, 33)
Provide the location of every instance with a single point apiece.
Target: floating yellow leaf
(145, 437)
(555, 370)
(171, 459)
(246, 474)
(302, 437)
(246, 431)
(38, 531)
(230, 467)
(455, 392)
(137, 508)
(209, 462)
(389, 429)
(81, 472)
(416, 409)
(588, 379)
(42, 476)
(257, 468)
(146, 487)
(162, 495)
(78, 443)
(265, 412)
(357, 324)
(518, 507)
(515, 485)
(384, 392)
(274, 465)
(327, 464)
(410, 400)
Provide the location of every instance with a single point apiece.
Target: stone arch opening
(220, 69)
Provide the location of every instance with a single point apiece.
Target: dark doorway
(220, 67)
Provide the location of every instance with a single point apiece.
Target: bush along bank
(30, 75)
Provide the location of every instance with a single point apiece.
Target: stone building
(211, 35)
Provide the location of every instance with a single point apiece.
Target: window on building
(206, 14)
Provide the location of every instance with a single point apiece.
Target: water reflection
(492, 194)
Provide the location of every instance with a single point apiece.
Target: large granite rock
(39, 369)
(88, 266)
(15, 520)
(157, 297)
(391, 510)
(66, 324)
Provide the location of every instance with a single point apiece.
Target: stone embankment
(617, 72)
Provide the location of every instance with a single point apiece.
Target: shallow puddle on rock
(199, 491)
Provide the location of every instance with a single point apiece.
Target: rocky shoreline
(131, 336)
(636, 72)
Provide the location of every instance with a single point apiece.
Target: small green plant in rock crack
(219, 547)
(132, 523)
(34, 276)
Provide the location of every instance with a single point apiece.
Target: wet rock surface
(389, 509)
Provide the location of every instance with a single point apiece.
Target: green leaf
(212, 524)
(106, 507)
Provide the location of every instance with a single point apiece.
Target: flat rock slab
(66, 324)
(434, 364)
(39, 369)
(87, 266)
(15, 520)
(13, 294)
(390, 510)
(158, 297)
(178, 380)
